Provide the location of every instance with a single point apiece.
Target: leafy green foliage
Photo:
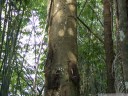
(91, 49)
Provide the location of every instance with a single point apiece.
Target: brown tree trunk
(61, 73)
(123, 30)
(108, 46)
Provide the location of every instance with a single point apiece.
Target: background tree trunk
(123, 30)
(61, 73)
(108, 46)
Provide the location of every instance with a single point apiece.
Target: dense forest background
(102, 38)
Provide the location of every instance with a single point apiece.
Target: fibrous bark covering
(123, 30)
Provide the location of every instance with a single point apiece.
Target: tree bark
(109, 52)
(61, 73)
(123, 30)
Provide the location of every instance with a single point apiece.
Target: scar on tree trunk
(73, 73)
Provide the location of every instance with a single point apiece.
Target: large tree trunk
(108, 46)
(123, 30)
(61, 73)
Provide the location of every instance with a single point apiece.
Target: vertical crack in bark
(73, 73)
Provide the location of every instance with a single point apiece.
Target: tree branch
(90, 30)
